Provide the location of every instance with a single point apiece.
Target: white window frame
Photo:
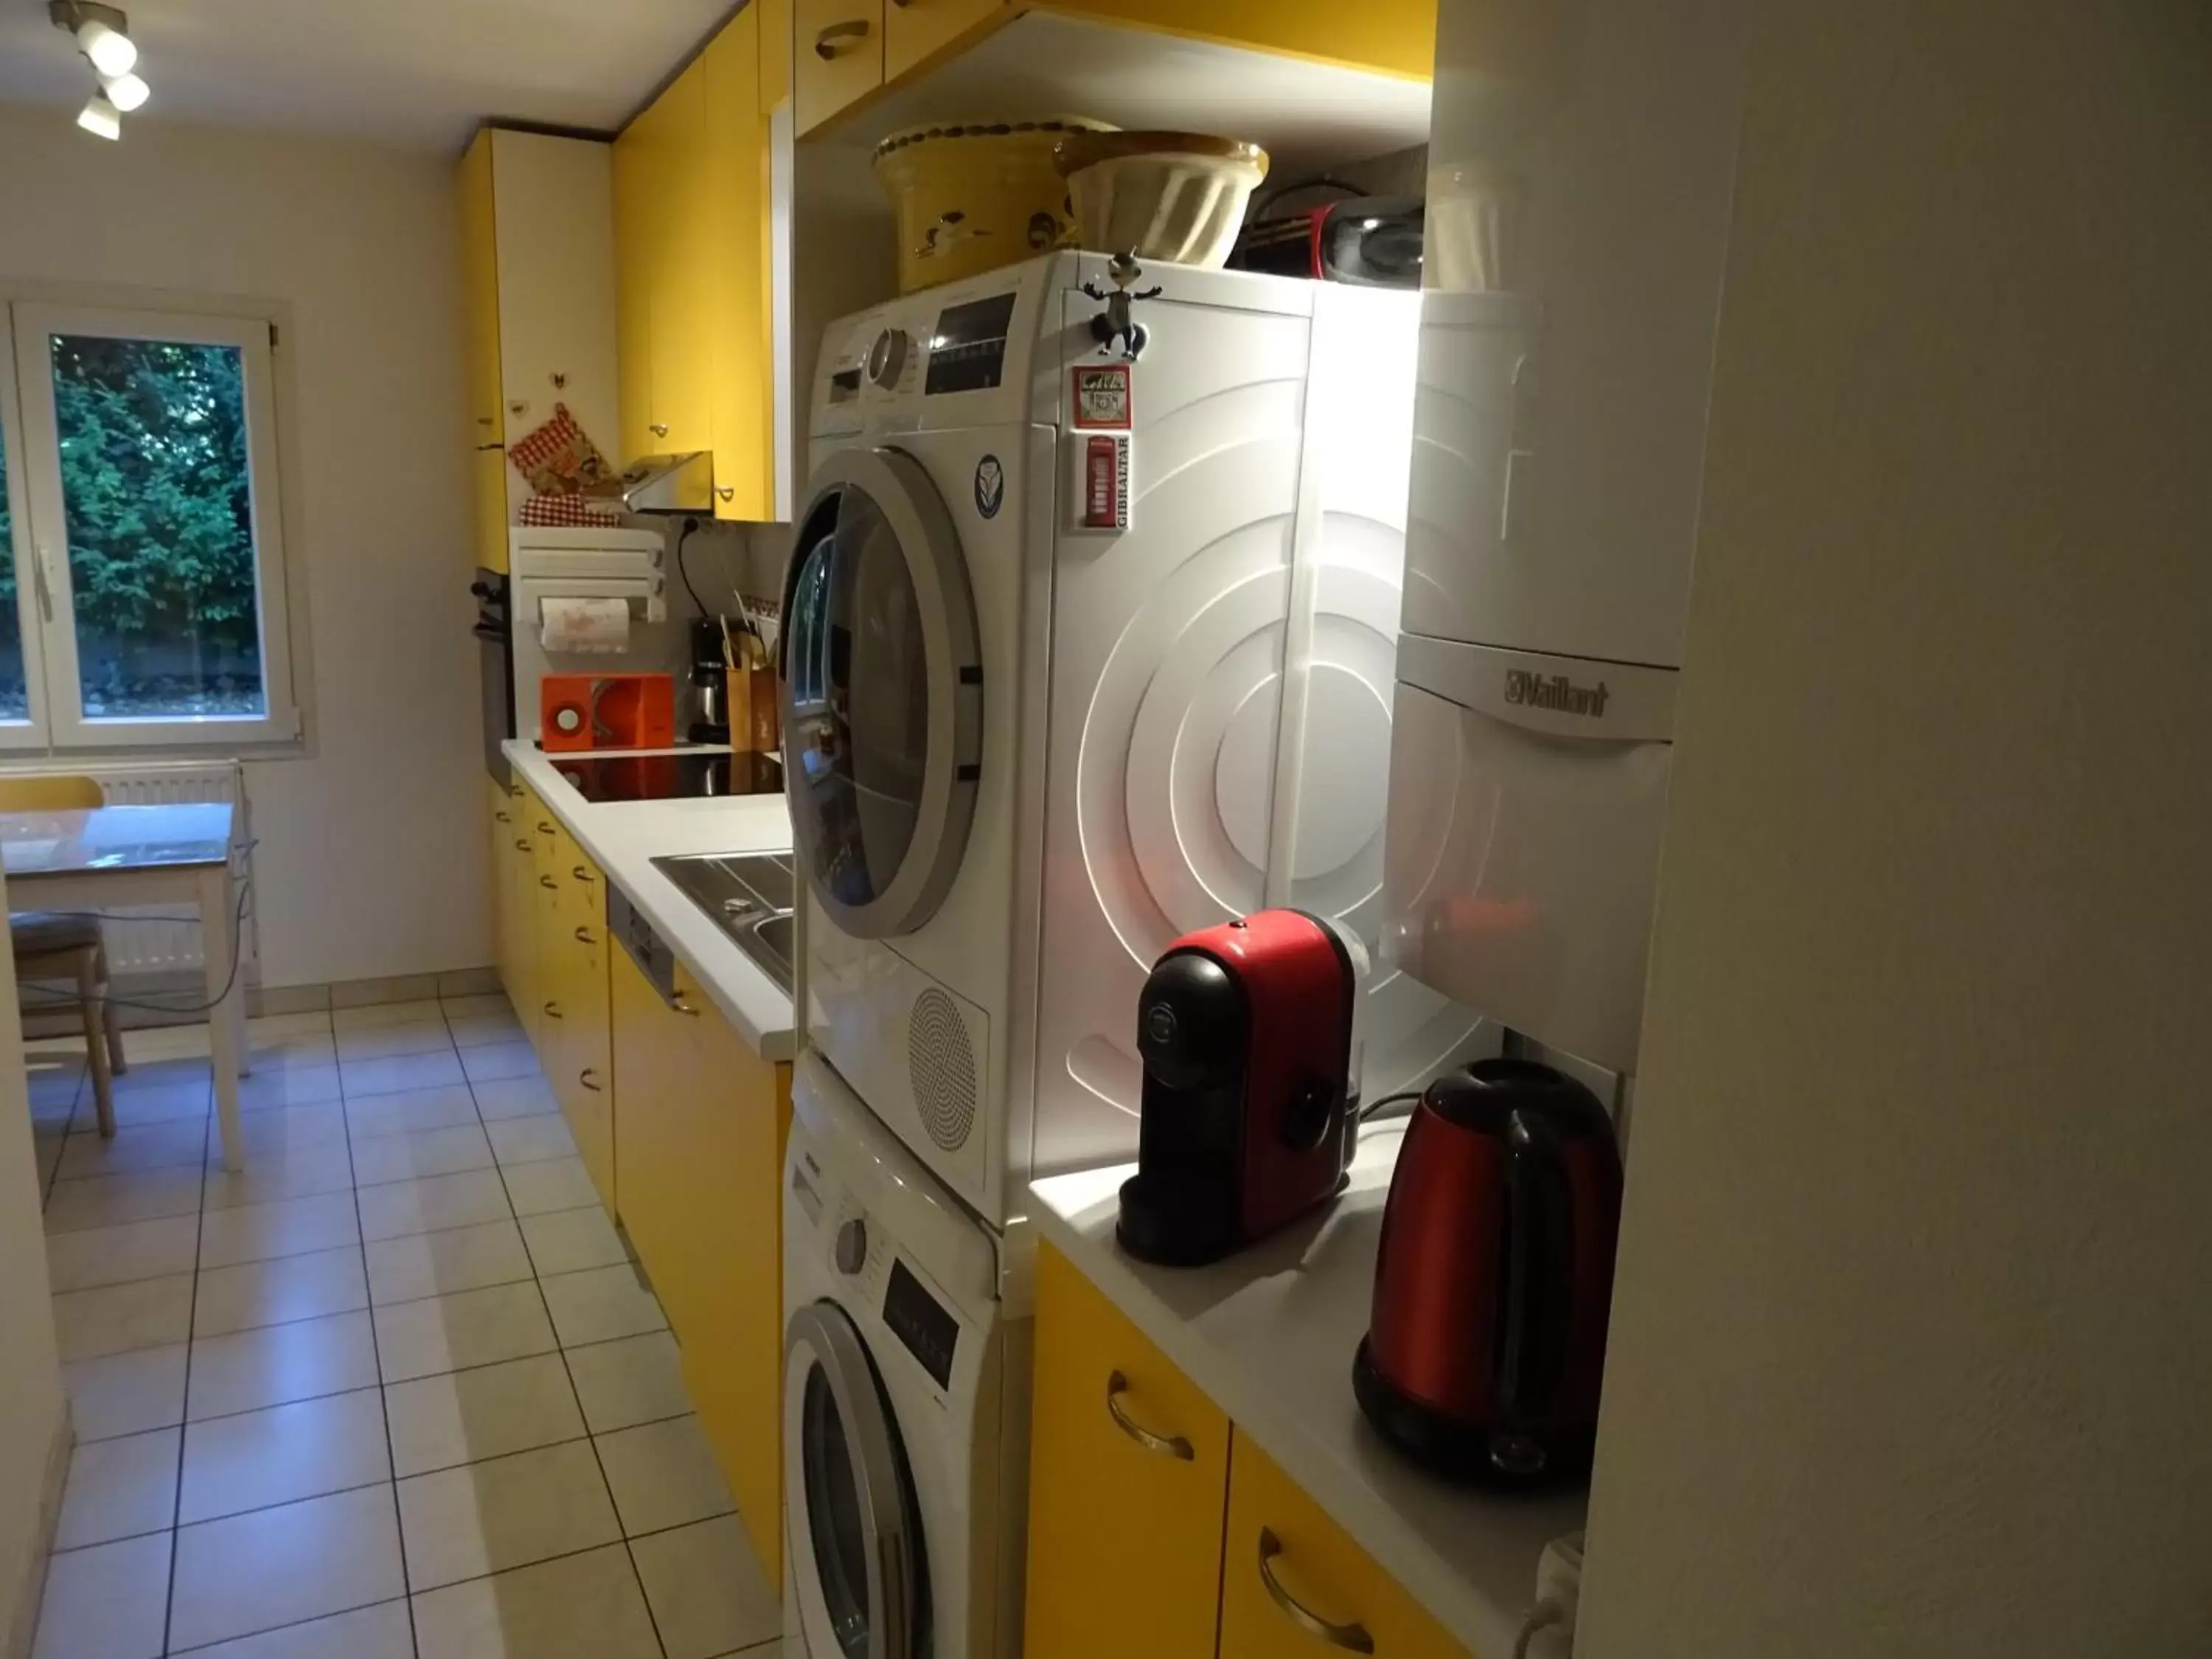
(44, 594)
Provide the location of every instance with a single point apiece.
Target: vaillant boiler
(1581, 168)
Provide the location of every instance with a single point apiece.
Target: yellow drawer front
(1295, 1586)
(837, 57)
(914, 28)
(1125, 1532)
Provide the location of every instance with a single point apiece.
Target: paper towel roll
(585, 624)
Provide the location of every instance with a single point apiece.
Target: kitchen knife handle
(1353, 1638)
(1167, 1445)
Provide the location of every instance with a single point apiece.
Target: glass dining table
(95, 858)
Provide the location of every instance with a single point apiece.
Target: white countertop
(623, 837)
(1269, 1334)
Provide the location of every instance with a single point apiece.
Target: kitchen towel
(585, 624)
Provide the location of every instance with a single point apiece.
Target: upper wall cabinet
(692, 212)
(538, 286)
(837, 56)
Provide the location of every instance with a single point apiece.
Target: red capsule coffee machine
(1494, 1276)
(1247, 1117)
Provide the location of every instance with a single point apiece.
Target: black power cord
(1374, 1106)
(67, 1000)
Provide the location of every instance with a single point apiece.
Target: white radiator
(147, 948)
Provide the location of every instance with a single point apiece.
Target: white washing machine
(906, 1398)
(1082, 654)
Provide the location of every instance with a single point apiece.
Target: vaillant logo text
(1557, 693)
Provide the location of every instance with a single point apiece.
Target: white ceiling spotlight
(102, 34)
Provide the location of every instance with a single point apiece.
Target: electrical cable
(1546, 1614)
(1373, 1107)
(68, 1000)
(683, 570)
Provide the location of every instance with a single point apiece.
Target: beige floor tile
(283, 1453)
(127, 1393)
(271, 1567)
(383, 1632)
(136, 1146)
(416, 1265)
(469, 1327)
(491, 1006)
(281, 1129)
(398, 1072)
(277, 1027)
(599, 1304)
(663, 1475)
(283, 1288)
(152, 1076)
(106, 1602)
(119, 1489)
(384, 1041)
(47, 1152)
(116, 1255)
(141, 1109)
(504, 1512)
(301, 1173)
(166, 1042)
(639, 1379)
(530, 1139)
(499, 1059)
(585, 1606)
(314, 1054)
(378, 1159)
(269, 1085)
(479, 1032)
(570, 1241)
(431, 1204)
(558, 1183)
(403, 1114)
(706, 1590)
(292, 1227)
(463, 1417)
(370, 1017)
(277, 1363)
(513, 1096)
(148, 1313)
(111, 1200)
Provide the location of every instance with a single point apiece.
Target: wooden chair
(70, 947)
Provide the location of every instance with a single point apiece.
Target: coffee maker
(710, 682)
(1249, 1115)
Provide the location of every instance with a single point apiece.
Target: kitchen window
(141, 534)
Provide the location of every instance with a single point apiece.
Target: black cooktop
(668, 777)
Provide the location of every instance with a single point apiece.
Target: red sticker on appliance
(1106, 482)
(1101, 397)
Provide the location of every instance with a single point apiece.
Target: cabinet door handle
(544, 829)
(658, 429)
(548, 881)
(584, 936)
(1167, 1445)
(729, 492)
(585, 1078)
(1353, 1638)
(521, 845)
(500, 818)
(837, 34)
(552, 1010)
(681, 1007)
(486, 420)
(580, 873)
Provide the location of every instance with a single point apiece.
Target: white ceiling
(419, 73)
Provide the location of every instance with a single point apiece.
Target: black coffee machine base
(1176, 1222)
(1475, 1453)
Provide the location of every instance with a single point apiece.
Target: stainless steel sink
(749, 896)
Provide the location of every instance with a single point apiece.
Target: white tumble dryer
(905, 1394)
(1082, 653)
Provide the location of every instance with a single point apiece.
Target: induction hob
(683, 776)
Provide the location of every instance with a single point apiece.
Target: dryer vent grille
(940, 1064)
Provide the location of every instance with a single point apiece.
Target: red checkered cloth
(580, 511)
(557, 458)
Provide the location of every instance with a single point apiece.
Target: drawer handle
(681, 1007)
(584, 936)
(544, 829)
(552, 1010)
(585, 1078)
(521, 846)
(500, 818)
(486, 420)
(1353, 1638)
(837, 34)
(729, 492)
(580, 873)
(548, 881)
(1167, 1445)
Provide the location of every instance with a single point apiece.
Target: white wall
(1911, 1349)
(30, 1373)
(372, 854)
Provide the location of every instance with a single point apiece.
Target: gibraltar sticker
(990, 486)
(1102, 396)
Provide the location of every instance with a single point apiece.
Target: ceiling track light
(102, 34)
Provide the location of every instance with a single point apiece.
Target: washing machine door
(854, 1536)
(882, 694)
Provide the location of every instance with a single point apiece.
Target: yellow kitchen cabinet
(519, 890)
(634, 186)
(538, 305)
(584, 1084)
(913, 29)
(735, 190)
(775, 51)
(512, 941)
(1294, 1585)
(837, 56)
(1396, 37)
(1129, 1480)
(665, 280)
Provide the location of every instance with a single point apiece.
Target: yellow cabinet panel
(914, 28)
(1397, 37)
(650, 1042)
(480, 292)
(524, 981)
(1287, 1570)
(736, 224)
(634, 183)
(490, 487)
(585, 1085)
(775, 51)
(683, 279)
(1125, 1529)
(837, 56)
